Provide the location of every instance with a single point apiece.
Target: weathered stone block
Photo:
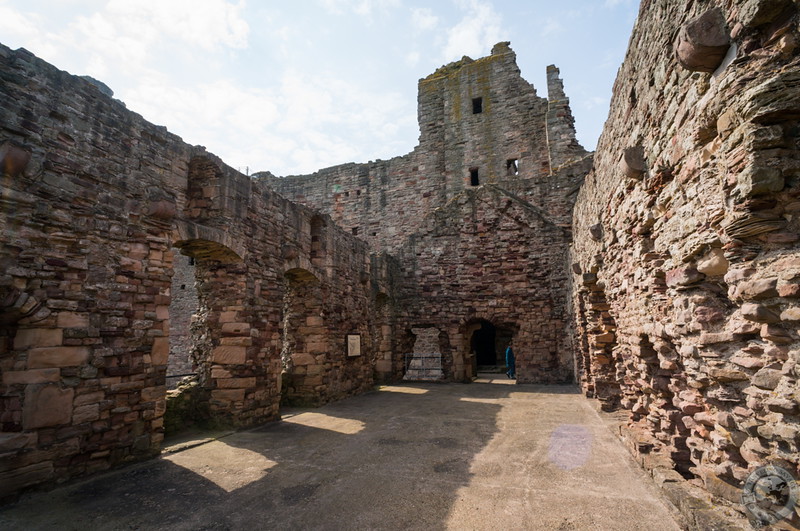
(758, 289)
(236, 329)
(46, 405)
(759, 313)
(767, 378)
(703, 42)
(757, 12)
(39, 358)
(236, 383)
(72, 320)
(713, 263)
(159, 354)
(683, 276)
(758, 180)
(31, 377)
(633, 162)
(302, 358)
(87, 413)
(37, 337)
(791, 314)
(229, 355)
(227, 395)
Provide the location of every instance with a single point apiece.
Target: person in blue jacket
(510, 362)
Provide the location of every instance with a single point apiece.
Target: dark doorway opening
(477, 105)
(483, 344)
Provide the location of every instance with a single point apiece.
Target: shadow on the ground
(394, 459)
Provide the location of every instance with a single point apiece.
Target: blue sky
(295, 86)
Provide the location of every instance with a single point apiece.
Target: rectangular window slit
(474, 180)
(477, 105)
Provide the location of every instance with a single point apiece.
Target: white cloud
(423, 19)
(364, 8)
(202, 23)
(476, 33)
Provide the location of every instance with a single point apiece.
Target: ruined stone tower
(467, 215)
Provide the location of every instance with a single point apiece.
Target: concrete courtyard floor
(486, 455)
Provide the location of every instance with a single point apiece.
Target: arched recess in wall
(209, 280)
(388, 365)
(304, 348)
(486, 344)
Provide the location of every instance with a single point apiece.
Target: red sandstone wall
(687, 275)
(384, 202)
(93, 201)
(478, 259)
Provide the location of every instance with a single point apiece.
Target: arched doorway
(483, 344)
(487, 344)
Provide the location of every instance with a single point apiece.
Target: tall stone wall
(487, 141)
(94, 201)
(686, 256)
(480, 122)
(479, 260)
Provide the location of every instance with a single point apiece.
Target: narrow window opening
(355, 231)
(512, 168)
(477, 105)
(474, 179)
(191, 260)
(358, 192)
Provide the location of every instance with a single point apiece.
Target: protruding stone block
(713, 263)
(46, 405)
(596, 232)
(767, 378)
(162, 210)
(633, 162)
(759, 313)
(683, 276)
(758, 289)
(702, 42)
(13, 158)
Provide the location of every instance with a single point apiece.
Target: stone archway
(221, 342)
(304, 351)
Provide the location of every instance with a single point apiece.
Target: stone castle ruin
(661, 273)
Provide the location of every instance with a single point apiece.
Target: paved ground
(412, 456)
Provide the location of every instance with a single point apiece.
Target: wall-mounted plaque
(353, 345)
